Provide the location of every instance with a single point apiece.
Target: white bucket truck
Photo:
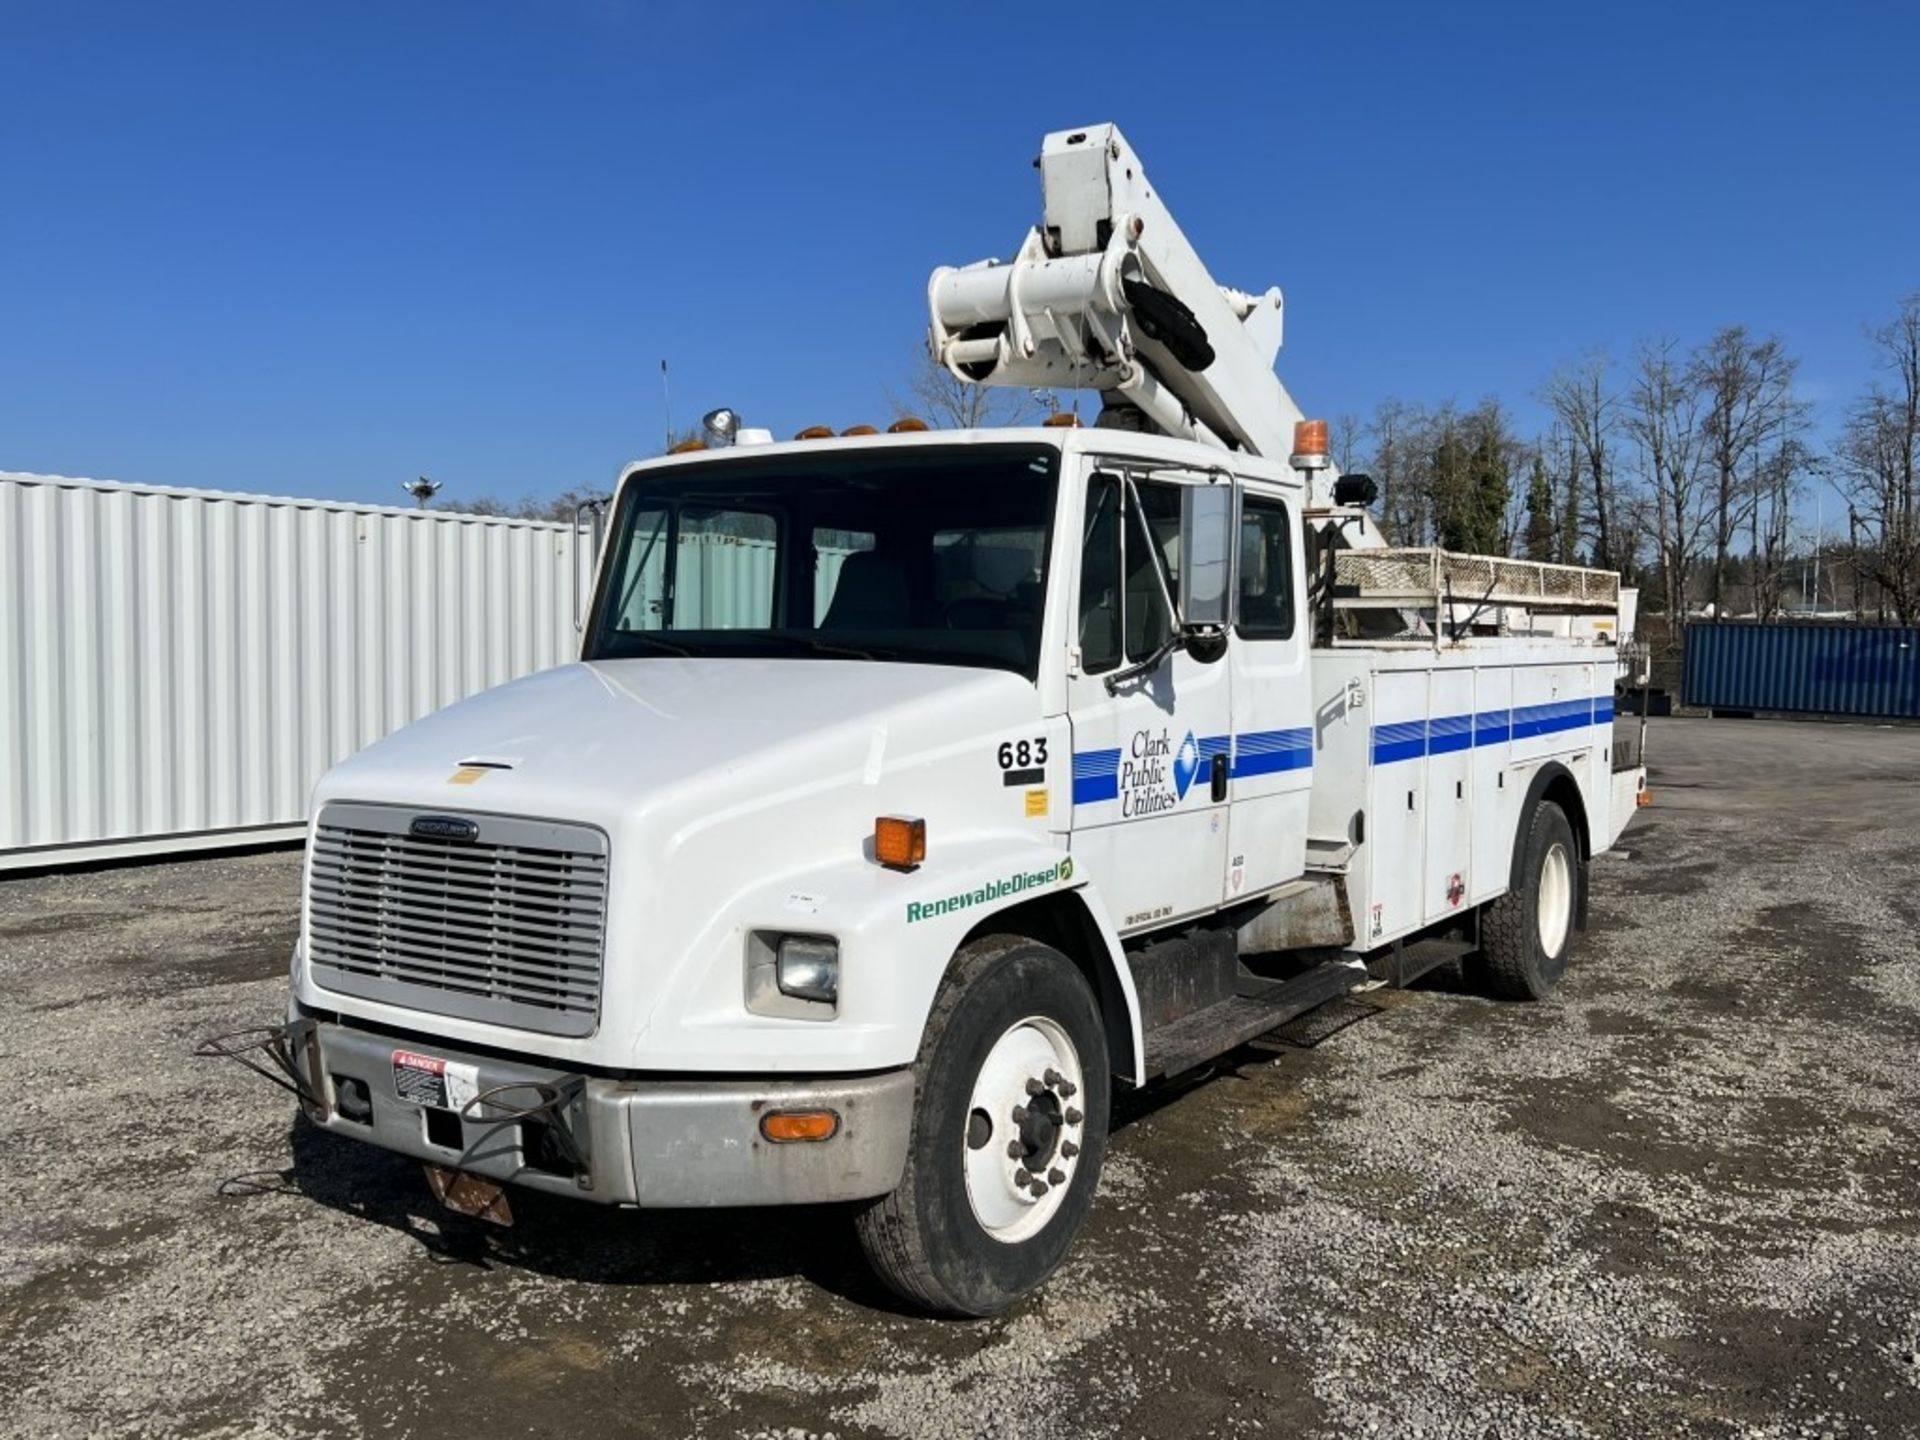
(913, 788)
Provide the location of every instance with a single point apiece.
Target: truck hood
(602, 742)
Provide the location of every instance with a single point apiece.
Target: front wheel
(1009, 1131)
(1526, 933)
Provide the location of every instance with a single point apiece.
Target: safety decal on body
(429, 1080)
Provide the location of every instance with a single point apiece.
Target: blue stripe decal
(1400, 741)
(1410, 739)
(1096, 773)
(1272, 752)
(1096, 776)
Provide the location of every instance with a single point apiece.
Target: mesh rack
(1426, 578)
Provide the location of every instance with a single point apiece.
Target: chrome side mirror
(1206, 556)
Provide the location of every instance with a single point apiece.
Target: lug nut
(1052, 1077)
(1039, 1189)
(1034, 1087)
(1069, 1149)
(1073, 1116)
(1019, 1114)
(1015, 1149)
(1067, 1089)
(1021, 1177)
(1057, 1175)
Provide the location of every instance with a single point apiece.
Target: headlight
(808, 968)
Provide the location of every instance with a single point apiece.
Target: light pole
(421, 489)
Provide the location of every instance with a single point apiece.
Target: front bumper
(668, 1144)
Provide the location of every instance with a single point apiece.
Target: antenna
(666, 403)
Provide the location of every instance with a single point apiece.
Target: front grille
(506, 928)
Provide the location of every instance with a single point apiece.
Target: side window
(1155, 527)
(1100, 577)
(724, 569)
(1266, 570)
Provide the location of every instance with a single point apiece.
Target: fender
(1552, 775)
(898, 932)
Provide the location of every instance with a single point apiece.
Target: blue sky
(318, 248)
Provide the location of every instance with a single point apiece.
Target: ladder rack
(1427, 578)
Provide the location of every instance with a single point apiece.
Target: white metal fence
(177, 667)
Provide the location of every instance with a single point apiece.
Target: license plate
(470, 1194)
(429, 1080)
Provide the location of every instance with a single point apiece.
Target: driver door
(1150, 754)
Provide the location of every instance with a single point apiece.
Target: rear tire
(962, 1234)
(1527, 933)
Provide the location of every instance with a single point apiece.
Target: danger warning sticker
(429, 1080)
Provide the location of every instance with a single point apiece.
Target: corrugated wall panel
(178, 664)
(1865, 670)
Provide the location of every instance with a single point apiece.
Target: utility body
(913, 789)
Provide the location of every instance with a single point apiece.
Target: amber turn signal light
(783, 1127)
(900, 841)
(907, 425)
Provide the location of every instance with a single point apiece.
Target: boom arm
(1107, 294)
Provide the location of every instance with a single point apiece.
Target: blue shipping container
(1813, 669)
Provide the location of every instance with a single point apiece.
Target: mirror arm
(1177, 640)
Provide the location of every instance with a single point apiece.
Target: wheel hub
(1023, 1133)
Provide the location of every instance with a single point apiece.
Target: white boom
(1107, 294)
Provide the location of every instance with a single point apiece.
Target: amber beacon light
(900, 841)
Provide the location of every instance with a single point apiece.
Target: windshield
(932, 556)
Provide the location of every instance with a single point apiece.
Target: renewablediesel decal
(994, 890)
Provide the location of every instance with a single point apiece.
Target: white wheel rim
(1556, 899)
(1021, 1159)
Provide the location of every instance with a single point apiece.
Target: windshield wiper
(646, 638)
(827, 647)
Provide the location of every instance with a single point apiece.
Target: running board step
(1205, 1034)
(1401, 965)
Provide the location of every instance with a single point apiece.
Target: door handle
(1219, 777)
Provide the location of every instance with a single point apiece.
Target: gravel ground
(1682, 1199)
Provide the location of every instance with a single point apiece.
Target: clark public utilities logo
(1018, 884)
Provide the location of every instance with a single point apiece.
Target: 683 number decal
(1023, 762)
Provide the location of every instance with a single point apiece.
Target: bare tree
(1347, 431)
(1397, 434)
(1580, 399)
(1662, 414)
(945, 401)
(1747, 409)
(1877, 453)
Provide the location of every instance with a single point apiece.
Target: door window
(1123, 605)
(1156, 526)
(1100, 577)
(1266, 571)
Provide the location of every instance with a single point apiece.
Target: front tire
(1526, 933)
(1011, 1106)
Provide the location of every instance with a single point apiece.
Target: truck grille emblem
(444, 827)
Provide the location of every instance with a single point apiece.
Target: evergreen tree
(1542, 524)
